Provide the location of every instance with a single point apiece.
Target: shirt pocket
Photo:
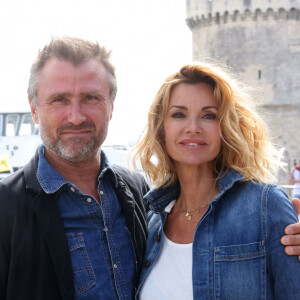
(240, 271)
(84, 277)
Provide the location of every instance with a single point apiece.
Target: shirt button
(105, 229)
(101, 193)
(115, 266)
(72, 189)
(147, 263)
(158, 237)
(89, 200)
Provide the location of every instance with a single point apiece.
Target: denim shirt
(101, 249)
(237, 252)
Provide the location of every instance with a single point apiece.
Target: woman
(214, 222)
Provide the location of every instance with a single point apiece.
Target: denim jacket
(237, 252)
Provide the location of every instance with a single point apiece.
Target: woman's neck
(198, 187)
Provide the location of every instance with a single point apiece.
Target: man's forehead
(56, 63)
(60, 76)
(62, 70)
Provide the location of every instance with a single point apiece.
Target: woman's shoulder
(257, 194)
(233, 179)
(267, 190)
(274, 202)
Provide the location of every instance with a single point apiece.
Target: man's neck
(83, 174)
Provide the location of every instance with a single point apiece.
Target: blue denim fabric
(102, 252)
(237, 252)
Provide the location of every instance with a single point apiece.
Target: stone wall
(260, 40)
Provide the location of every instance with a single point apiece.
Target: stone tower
(260, 40)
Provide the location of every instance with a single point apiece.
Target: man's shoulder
(13, 195)
(9, 182)
(134, 180)
(20, 180)
(128, 175)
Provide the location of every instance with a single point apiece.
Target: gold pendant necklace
(189, 214)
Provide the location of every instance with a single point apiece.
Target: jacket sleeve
(283, 269)
(6, 225)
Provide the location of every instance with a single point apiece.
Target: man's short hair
(76, 51)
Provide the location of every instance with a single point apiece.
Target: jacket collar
(159, 198)
(30, 169)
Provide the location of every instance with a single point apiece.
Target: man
(295, 180)
(71, 225)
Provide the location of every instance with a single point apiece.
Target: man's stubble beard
(73, 150)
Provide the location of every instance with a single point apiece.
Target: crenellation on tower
(198, 8)
(260, 41)
(246, 15)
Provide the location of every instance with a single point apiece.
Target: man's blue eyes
(91, 97)
(87, 98)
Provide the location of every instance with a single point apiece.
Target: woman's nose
(193, 125)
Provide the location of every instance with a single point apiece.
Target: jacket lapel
(52, 229)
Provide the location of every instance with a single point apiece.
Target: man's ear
(34, 111)
(111, 111)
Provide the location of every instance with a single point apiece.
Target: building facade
(259, 40)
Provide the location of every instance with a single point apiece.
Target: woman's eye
(209, 116)
(178, 115)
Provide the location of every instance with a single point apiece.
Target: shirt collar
(51, 180)
(159, 198)
(107, 170)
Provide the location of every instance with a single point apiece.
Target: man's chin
(74, 150)
(78, 153)
(76, 157)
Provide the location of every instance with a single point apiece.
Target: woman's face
(191, 127)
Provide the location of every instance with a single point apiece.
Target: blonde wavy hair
(245, 143)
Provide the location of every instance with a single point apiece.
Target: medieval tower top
(259, 40)
(211, 8)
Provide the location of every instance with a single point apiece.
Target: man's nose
(76, 114)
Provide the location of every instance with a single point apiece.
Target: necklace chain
(190, 213)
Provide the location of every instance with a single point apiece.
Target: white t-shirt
(171, 276)
(296, 189)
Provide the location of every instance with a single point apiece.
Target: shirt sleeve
(296, 174)
(283, 269)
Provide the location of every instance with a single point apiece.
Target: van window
(27, 125)
(11, 125)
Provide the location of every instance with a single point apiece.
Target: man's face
(73, 108)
